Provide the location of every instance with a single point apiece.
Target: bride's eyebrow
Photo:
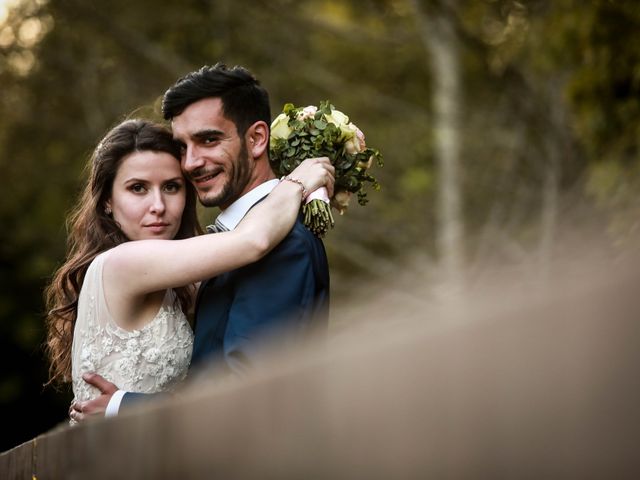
(135, 180)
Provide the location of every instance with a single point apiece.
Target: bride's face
(148, 196)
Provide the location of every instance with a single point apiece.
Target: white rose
(280, 127)
(338, 118)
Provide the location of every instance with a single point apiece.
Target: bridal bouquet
(299, 133)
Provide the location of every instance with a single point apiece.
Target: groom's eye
(183, 149)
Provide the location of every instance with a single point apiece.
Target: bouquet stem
(318, 217)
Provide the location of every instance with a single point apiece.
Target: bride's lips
(157, 227)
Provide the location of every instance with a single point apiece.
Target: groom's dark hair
(244, 100)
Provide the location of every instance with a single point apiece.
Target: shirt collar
(231, 216)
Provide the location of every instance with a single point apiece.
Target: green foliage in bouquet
(299, 133)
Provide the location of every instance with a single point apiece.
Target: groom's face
(214, 156)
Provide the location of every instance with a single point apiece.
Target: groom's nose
(191, 159)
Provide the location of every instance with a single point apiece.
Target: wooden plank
(545, 388)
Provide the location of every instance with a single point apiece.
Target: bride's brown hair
(92, 231)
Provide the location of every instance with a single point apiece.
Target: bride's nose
(157, 206)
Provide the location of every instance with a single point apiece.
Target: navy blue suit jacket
(285, 293)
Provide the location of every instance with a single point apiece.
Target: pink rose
(340, 201)
(366, 165)
(307, 112)
(356, 143)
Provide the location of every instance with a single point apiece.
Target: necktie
(217, 227)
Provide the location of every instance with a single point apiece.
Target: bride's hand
(315, 173)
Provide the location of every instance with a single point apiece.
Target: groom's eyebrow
(207, 134)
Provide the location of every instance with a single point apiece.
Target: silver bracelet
(295, 180)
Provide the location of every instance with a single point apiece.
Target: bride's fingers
(327, 178)
(326, 163)
(330, 183)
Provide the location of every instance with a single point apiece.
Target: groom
(287, 292)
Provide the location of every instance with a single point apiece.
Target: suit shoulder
(299, 243)
(302, 237)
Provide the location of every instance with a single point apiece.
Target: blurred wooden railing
(523, 383)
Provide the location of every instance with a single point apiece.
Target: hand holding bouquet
(299, 133)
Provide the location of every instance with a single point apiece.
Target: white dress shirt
(235, 212)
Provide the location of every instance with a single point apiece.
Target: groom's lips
(202, 179)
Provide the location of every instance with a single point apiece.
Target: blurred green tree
(547, 133)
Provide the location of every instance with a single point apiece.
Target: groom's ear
(257, 138)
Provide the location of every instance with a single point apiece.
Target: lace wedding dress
(152, 359)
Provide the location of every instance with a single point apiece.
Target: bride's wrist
(289, 178)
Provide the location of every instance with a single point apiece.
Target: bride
(117, 305)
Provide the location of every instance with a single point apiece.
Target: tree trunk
(440, 40)
(556, 146)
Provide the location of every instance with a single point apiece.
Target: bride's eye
(172, 187)
(137, 188)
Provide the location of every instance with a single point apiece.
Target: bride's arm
(145, 266)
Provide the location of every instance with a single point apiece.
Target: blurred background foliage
(535, 104)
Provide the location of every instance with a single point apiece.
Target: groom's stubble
(239, 176)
